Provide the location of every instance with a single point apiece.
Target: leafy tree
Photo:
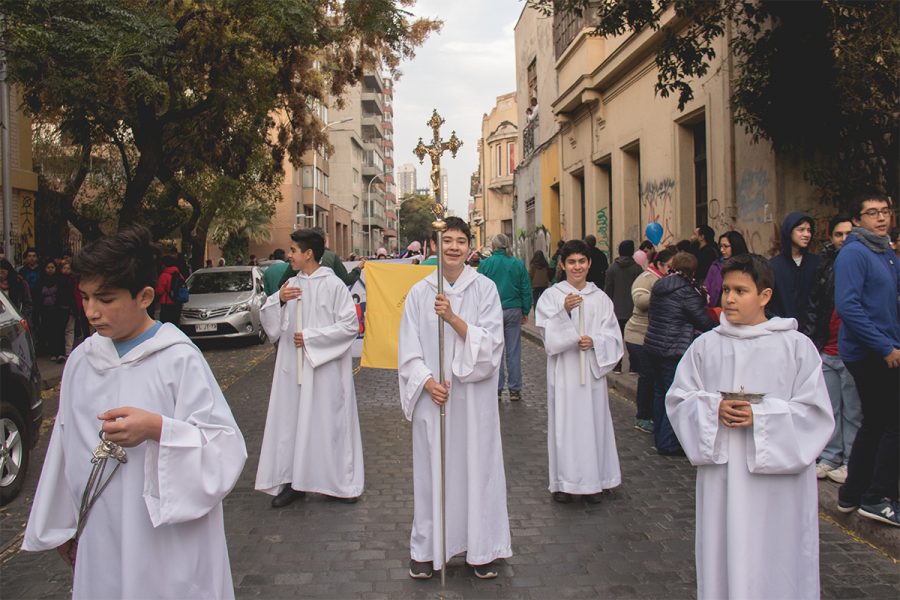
(180, 88)
(416, 217)
(818, 79)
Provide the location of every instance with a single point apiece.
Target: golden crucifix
(435, 150)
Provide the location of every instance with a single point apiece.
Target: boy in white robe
(581, 443)
(312, 441)
(477, 518)
(757, 500)
(157, 529)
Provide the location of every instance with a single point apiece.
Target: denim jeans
(663, 375)
(872, 472)
(641, 363)
(512, 360)
(846, 407)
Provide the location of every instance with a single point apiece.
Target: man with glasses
(867, 298)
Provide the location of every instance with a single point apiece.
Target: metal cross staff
(435, 150)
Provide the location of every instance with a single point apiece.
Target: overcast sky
(460, 72)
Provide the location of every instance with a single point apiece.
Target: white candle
(300, 349)
(581, 333)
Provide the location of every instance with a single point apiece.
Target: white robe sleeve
(694, 412)
(608, 346)
(411, 367)
(788, 434)
(324, 344)
(273, 317)
(201, 451)
(557, 327)
(478, 356)
(54, 515)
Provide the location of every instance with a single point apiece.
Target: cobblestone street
(638, 543)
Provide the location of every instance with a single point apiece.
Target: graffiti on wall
(750, 215)
(656, 205)
(26, 224)
(603, 230)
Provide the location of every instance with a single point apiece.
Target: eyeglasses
(875, 212)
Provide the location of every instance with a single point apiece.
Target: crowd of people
(787, 372)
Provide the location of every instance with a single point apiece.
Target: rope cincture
(96, 484)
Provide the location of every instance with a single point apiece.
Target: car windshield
(219, 283)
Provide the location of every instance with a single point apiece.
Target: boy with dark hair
(751, 410)
(583, 344)
(866, 292)
(312, 441)
(163, 507)
(476, 512)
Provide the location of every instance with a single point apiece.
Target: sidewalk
(51, 372)
(884, 537)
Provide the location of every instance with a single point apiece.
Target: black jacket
(793, 283)
(619, 278)
(821, 300)
(677, 309)
(706, 256)
(599, 265)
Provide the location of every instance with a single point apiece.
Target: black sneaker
(421, 570)
(594, 498)
(562, 497)
(286, 496)
(499, 395)
(884, 512)
(847, 507)
(348, 500)
(515, 395)
(488, 571)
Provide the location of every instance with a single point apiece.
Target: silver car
(224, 303)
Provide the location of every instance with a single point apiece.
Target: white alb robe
(157, 529)
(757, 500)
(477, 518)
(581, 443)
(312, 438)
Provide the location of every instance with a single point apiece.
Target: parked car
(224, 302)
(21, 408)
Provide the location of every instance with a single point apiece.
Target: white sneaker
(838, 475)
(822, 470)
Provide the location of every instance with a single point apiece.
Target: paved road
(638, 543)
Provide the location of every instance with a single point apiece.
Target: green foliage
(192, 87)
(818, 79)
(415, 217)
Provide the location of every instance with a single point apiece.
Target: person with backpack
(170, 291)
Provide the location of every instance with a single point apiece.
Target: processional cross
(435, 150)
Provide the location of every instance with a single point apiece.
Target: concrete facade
(24, 181)
(491, 212)
(629, 157)
(406, 179)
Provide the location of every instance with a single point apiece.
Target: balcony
(372, 103)
(372, 128)
(373, 81)
(529, 135)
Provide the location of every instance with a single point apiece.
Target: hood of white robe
(317, 274)
(101, 352)
(773, 325)
(466, 278)
(568, 288)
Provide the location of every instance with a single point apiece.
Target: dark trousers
(872, 471)
(170, 313)
(663, 368)
(641, 364)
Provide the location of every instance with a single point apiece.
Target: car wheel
(261, 336)
(14, 453)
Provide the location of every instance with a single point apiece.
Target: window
(510, 157)
(307, 177)
(499, 160)
(506, 224)
(700, 182)
(532, 81)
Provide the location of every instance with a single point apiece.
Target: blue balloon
(654, 232)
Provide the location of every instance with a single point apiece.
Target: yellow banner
(386, 288)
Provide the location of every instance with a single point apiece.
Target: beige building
(536, 207)
(629, 157)
(406, 179)
(492, 186)
(23, 179)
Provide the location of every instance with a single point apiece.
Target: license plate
(206, 327)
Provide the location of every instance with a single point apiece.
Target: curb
(883, 538)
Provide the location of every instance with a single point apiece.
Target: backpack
(178, 292)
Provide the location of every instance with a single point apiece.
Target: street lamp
(369, 204)
(316, 165)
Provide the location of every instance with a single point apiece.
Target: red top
(834, 325)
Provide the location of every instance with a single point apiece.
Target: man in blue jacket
(867, 298)
(795, 268)
(511, 278)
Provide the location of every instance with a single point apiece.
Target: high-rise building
(406, 179)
